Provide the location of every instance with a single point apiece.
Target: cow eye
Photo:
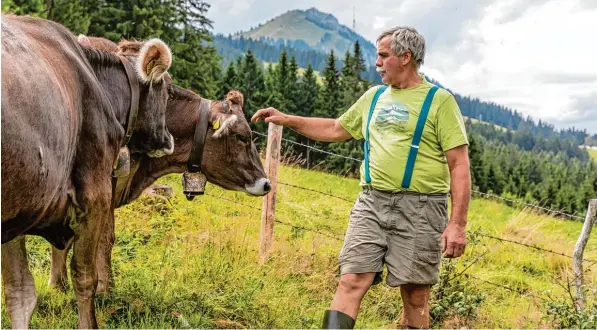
(241, 138)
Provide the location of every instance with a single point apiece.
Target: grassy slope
(200, 259)
(476, 121)
(593, 154)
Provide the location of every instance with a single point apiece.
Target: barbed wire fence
(462, 272)
(508, 200)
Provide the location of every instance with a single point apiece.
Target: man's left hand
(453, 240)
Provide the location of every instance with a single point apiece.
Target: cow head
(230, 158)
(151, 60)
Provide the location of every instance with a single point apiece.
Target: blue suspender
(366, 146)
(414, 148)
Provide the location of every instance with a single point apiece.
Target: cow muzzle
(260, 188)
(168, 150)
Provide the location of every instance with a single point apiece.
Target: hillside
(183, 264)
(593, 154)
(311, 29)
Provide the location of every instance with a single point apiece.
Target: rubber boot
(337, 320)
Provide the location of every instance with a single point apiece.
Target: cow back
(49, 93)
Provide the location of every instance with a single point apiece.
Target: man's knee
(355, 283)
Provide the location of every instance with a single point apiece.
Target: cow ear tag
(217, 124)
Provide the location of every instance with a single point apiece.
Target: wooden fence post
(268, 213)
(579, 249)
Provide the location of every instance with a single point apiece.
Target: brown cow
(230, 161)
(64, 113)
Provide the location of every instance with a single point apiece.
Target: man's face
(392, 66)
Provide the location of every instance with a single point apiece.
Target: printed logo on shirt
(394, 116)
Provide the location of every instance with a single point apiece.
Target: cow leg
(104, 257)
(19, 287)
(83, 262)
(58, 276)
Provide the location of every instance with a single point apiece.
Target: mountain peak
(316, 15)
(311, 29)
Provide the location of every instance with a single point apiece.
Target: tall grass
(183, 264)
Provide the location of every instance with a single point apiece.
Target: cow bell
(193, 184)
(122, 165)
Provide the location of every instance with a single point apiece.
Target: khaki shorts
(401, 230)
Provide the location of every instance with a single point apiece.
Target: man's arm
(319, 129)
(454, 237)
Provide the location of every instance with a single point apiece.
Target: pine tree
(252, 84)
(281, 83)
(359, 61)
(76, 15)
(196, 62)
(477, 173)
(270, 86)
(25, 7)
(228, 82)
(291, 89)
(330, 96)
(308, 91)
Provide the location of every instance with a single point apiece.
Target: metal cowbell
(193, 184)
(122, 166)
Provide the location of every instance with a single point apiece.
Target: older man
(415, 154)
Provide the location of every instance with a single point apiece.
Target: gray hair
(406, 38)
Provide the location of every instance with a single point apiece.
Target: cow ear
(235, 97)
(155, 59)
(83, 40)
(222, 123)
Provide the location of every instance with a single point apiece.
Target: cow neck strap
(194, 164)
(134, 110)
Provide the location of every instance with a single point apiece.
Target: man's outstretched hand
(270, 115)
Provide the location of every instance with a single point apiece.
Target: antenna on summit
(354, 24)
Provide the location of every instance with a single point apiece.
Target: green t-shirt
(391, 131)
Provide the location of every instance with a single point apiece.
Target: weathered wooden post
(579, 249)
(268, 213)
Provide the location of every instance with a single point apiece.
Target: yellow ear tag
(217, 124)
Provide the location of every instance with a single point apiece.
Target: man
(400, 219)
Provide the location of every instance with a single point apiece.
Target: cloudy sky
(536, 56)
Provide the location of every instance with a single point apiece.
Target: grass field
(593, 154)
(182, 264)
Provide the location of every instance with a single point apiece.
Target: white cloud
(536, 56)
(380, 21)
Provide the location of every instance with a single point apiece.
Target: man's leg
(347, 300)
(415, 298)
(360, 260)
(351, 290)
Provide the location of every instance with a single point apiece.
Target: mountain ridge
(311, 29)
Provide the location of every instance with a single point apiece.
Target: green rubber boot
(337, 320)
